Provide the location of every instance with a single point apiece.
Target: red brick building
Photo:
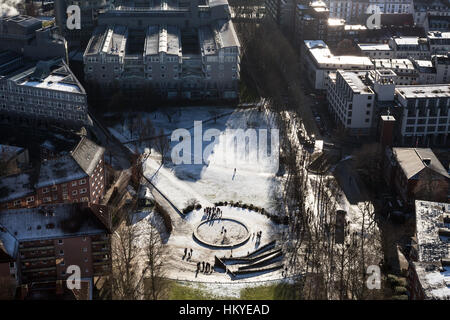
(44, 242)
(416, 173)
(76, 177)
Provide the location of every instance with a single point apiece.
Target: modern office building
(180, 50)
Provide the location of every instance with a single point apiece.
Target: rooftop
(51, 222)
(80, 163)
(434, 279)
(374, 47)
(15, 186)
(424, 91)
(393, 64)
(322, 54)
(414, 160)
(356, 81)
(438, 35)
(431, 219)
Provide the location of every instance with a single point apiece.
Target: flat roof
(424, 91)
(393, 63)
(431, 245)
(374, 47)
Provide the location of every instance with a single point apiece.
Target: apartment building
(403, 68)
(179, 51)
(26, 36)
(319, 62)
(424, 114)
(424, 8)
(376, 50)
(282, 11)
(439, 42)
(428, 274)
(425, 70)
(441, 64)
(40, 93)
(44, 242)
(76, 177)
(351, 101)
(416, 173)
(410, 47)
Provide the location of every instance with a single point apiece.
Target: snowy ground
(180, 268)
(214, 179)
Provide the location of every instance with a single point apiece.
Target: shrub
(198, 206)
(400, 297)
(225, 203)
(244, 206)
(400, 290)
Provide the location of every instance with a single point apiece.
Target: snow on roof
(59, 170)
(57, 221)
(431, 245)
(80, 163)
(15, 186)
(374, 46)
(434, 280)
(322, 54)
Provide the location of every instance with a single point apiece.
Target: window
(82, 181)
(47, 199)
(61, 252)
(74, 183)
(83, 190)
(74, 192)
(17, 203)
(60, 241)
(45, 190)
(84, 249)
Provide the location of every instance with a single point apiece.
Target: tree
(162, 145)
(127, 277)
(156, 283)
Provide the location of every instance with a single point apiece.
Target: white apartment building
(425, 113)
(351, 100)
(403, 68)
(319, 62)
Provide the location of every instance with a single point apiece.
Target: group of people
(204, 267)
(212, 213)
(187, 254)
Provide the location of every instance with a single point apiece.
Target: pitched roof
(413, 160)
(87, 154)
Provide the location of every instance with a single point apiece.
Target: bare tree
(127, 276)
(162, 145)
(156, 283)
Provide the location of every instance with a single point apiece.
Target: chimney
(59, 287)
(387, 131)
